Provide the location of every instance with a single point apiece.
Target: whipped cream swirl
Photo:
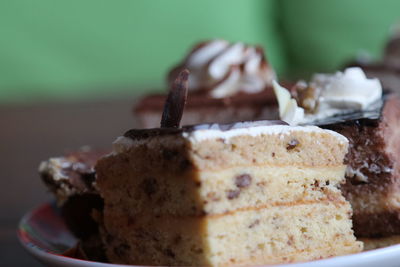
(332, 94)
(224, 69)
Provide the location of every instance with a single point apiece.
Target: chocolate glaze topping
(367, 116)
(138, 134)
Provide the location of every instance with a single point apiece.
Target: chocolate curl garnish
(176, 100)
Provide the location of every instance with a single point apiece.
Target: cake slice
(71, 174)
(247, 193)
(373, 175)
(71, 179)
(371, 122)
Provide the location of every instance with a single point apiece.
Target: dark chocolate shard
(176, 100)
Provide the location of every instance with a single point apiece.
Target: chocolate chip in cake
(169, 154)
(149, 186)
(243, 180)
(131, 220)
(231, 194)
(162, 199)
(256, 222)
(169, 253)
(177, 239)
(196, 250)
(121, 249)
(292, 144)
(109, 238)
(185, 165)
(290, 241)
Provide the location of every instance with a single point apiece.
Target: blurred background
(99, 49)
(70, 71)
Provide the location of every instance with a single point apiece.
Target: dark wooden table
(29, 134)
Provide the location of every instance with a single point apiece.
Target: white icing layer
(122, 144)
(227, 69)
(201, 135)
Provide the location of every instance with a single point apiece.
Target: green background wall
(68, 50)
(323, 35)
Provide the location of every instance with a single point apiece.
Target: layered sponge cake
(355, 106)
(217, 195)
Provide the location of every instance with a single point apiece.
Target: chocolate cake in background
(228, 83)
(355, 107)
(71, 179)
(72, 174)
(387, 70)
(373, 175)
